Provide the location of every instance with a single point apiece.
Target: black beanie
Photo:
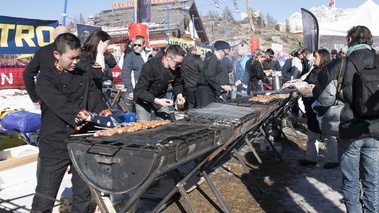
(221, 45)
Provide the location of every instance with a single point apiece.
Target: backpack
(366, 87)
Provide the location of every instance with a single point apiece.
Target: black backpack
(366, 87)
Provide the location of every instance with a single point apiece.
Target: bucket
(269, 80)
(277, 82)
(139, 29)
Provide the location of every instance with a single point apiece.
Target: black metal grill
(122, 162)
(119, 163)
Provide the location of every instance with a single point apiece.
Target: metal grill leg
(239, 158)
(162, 204)
(185, 196)
(281, 131)
(272, 145)
(253, 150)
(215, 192)
(99, 200)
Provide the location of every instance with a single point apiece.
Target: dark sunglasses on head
(140, 45)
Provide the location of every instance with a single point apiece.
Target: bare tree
(212, 14)
(270, 20)
(81, 19)
(227, 14)
(288, 27)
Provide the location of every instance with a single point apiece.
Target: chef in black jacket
(66, 94)
(209, 87)
(156, 75)
(42, 60)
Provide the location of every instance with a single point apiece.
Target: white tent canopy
(335, 32)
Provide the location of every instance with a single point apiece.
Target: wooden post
(250, 16)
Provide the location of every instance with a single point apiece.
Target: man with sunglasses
(151, 88)
(131, 67)
(270, 63)
(209, 87)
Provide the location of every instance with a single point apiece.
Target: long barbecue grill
(122, 162)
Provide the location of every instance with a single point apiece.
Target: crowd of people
(69, 92)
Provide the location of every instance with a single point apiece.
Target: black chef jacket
(154, 80)
(63, 95)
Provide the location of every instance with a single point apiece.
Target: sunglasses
(226, 54)
(176, 62)
(140, 45)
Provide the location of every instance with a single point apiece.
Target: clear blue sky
(53, 9)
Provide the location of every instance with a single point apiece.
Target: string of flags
(216, 3)
(236, 6)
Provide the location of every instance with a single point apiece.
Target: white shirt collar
(217, 54)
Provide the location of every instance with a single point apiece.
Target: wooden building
(168, 17)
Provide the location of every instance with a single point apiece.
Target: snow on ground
(16, 99)
(18, 184)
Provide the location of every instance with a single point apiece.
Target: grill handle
(109, 151)
(107, 160)
(179, 147)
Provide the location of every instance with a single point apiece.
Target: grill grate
(221, 114)
(244, 101)
(157, 138)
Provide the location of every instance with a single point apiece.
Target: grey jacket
(350, 124)
(132, 62)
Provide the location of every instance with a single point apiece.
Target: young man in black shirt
(151, 88)
(209, 83)
(65, 93)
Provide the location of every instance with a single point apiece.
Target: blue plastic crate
(129, 117)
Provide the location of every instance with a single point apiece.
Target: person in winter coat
(92, 58)
(322, 58)
(151, 89)
(241, 77)
(226, 74)
(191, 68)
(42, 60)
(256, 74)
(132, 66)
(65, 93)
(358, 143)
(209, 87)
(110, 62)
(271, 63)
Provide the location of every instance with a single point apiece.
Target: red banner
(11, 77)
